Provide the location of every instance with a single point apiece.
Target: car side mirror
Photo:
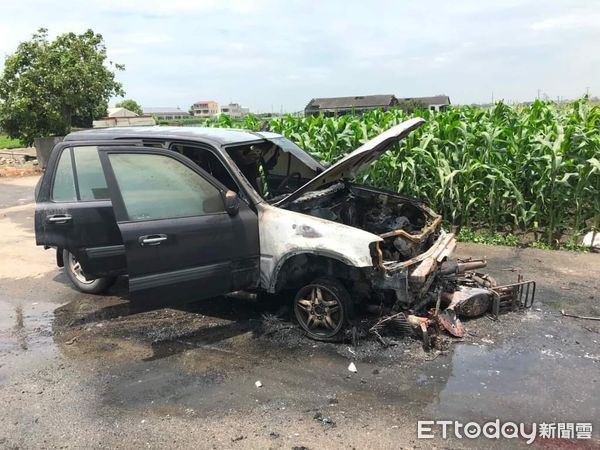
(232, 203)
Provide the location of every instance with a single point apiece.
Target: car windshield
(288, 146)
(275, 167)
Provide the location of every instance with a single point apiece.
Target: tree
(48, 87)
(131, 105)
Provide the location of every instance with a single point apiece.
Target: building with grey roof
(360, 104)
(349, 105)
(166, 113)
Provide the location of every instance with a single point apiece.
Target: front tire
(323, 309)
(75, 274)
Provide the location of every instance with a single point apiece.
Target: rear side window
(63, 189)
(90, 177)
(160, 187)
(84, 181)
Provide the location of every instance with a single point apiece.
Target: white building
(120, 112)
(122, 117)
(234, 110)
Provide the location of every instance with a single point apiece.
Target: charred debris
(458, 292)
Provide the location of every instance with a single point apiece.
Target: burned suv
(189, 213)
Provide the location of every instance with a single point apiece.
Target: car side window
(90, 177)
(159, 187)
(63, 189)
(206, 160)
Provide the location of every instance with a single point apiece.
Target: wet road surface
(82, 371)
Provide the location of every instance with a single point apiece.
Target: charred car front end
(412, 276)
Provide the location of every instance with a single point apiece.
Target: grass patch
(513, 240)
(488, 237)
(8, 142)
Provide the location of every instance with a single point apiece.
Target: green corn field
(519, 169)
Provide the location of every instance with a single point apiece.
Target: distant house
(205, 108)
(348, 105)
(166, 113)
(122, 117)
(437, 103)
(120, 112)
(234, 110)
(360, 104)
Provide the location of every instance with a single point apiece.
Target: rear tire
(323, 309)
(75, 274)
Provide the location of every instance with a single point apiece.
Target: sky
(273, 55)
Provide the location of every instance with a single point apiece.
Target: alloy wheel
(75, 267)
(319, 311)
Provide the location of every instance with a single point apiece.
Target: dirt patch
(18, 164)
(20, 171)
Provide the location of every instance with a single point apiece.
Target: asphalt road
(16, 191)
(79, 371)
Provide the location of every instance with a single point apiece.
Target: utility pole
(587, 91)
(492, 97)
(538, 94)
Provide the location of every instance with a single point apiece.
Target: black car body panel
(198, 256)
(89, 229)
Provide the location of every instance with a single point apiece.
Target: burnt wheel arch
(299, 269)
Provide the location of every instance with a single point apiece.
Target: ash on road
(82, 371)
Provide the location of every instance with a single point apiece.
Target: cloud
(264, 52)
(7, 41)
(176, 7)
(146, 38)
(119, 51)
(579, 22)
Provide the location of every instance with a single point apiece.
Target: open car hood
(353, 163)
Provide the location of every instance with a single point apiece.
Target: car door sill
(105, 252)
(176, 276)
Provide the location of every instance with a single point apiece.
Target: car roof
(217, 136)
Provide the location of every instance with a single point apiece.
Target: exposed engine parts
(407, 229)
(457, 291)
(381, 218)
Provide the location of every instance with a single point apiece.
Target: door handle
(59, 218)
(152, 239)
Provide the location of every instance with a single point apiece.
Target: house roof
(120, 112)
(205, 101)
(434, 100)
(361, 101)
(164, 110)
